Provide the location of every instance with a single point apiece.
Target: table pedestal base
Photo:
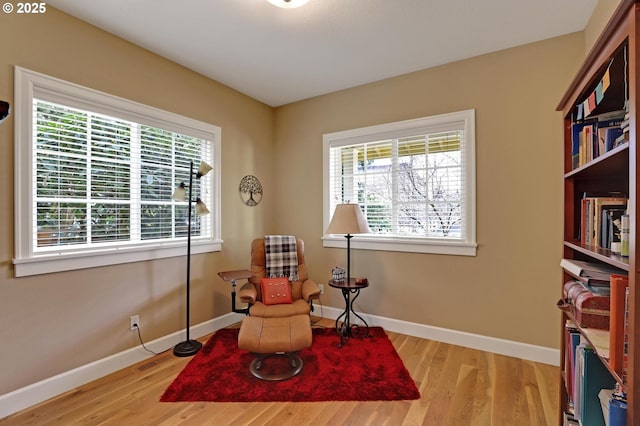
(344, 327)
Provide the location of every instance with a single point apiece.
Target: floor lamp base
(187, 348)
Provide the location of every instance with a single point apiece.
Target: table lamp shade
(348, 219)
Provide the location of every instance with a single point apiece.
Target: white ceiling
(280, 56)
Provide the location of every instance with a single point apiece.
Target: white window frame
(29, 85)
(466, 246)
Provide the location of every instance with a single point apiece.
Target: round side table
(348, 288)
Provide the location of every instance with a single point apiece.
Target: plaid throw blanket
(281, 256)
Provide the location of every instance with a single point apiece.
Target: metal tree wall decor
(250, 190)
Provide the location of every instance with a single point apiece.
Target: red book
(625, 352)
(619, 284)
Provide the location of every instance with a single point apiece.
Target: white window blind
(413, 180)
(97, 177)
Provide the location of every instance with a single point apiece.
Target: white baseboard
(460, 338)
(35, 393)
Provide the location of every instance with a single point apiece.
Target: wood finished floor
(458, 386)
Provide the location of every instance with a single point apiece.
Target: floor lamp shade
(348, 219)
(190, 347)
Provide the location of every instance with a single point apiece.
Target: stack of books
(596, 136)
(590, 273)
(601, 221)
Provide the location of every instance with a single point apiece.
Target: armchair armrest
(310, 290)
(248, 293)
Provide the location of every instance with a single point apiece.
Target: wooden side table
(233, 276)
(345, 329)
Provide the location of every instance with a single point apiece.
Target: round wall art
(250, 190)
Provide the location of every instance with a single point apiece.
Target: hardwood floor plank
(510, 405)
(458, 386)
(462, 407)
(547, 379)
(442, 379)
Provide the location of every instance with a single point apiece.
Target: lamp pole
(188, 347)
(348, 237)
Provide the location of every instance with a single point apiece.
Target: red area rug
(364, 369)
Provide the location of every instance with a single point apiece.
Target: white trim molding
(494, 345)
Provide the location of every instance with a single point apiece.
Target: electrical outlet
(321, 286)
(133, 322)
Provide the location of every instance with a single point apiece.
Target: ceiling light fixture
(288, 4)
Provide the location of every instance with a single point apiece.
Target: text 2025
(31, 7)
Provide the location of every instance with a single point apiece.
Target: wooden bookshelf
(613, 171)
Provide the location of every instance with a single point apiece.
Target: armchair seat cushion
(298, 307)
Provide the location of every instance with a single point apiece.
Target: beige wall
(510, 288)
(603, 11)
(53, 323)
(56, 322)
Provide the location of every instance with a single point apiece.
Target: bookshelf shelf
(599, 340)
(603, 255)
(599, 162)
(616, 159)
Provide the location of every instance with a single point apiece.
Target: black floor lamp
(190, 347)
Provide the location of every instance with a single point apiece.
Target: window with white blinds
(96, 176)
(414, 181)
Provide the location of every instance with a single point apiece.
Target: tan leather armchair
(303, 291)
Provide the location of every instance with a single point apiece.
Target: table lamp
(348, 219)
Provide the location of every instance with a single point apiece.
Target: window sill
(59, 262)
(402, 244)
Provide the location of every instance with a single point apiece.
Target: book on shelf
(596, 289)
(592, 209)
(607, 133)
(617, 411)
(577, 379)
(614, 407)
(578, 142)
(593, 376)
(601, 204)
(611, 228)
(572, 336)
(590, 272)
(619, 285)
(624, 236)
(625, 347)
(611, 134)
